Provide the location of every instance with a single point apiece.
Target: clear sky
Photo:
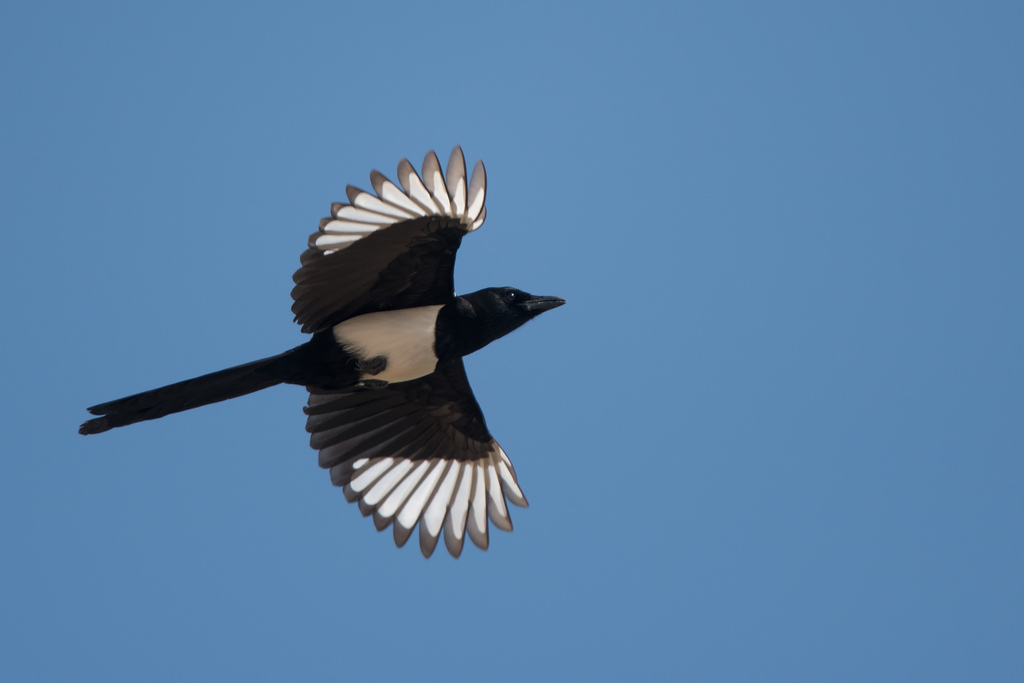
(777, 434)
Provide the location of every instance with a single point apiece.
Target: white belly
(404, 338)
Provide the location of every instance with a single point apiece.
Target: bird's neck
(461, 330)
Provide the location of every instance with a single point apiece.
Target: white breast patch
(404, 338)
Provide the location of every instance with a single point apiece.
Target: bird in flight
(390, 408)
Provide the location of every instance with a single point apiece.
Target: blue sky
(776, 434)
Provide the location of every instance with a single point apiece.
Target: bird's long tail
(192, 393)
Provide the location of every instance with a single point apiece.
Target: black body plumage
(390, 408)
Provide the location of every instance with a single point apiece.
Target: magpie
(390, 408)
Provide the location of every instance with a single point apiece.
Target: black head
(475, 320)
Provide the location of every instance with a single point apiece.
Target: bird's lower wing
(417, 453)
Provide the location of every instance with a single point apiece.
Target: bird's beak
(539, 304)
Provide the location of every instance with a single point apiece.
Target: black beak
(539, 304)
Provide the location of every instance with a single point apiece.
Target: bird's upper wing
(416, 451)
(393, 250)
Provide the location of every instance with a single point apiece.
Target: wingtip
(428, 541)
(401, 534)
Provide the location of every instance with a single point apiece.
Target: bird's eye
(510, 297)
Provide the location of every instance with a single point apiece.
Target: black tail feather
(192, 393)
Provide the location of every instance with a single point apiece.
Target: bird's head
(488, 314)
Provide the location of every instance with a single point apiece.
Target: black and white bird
(390, 408)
